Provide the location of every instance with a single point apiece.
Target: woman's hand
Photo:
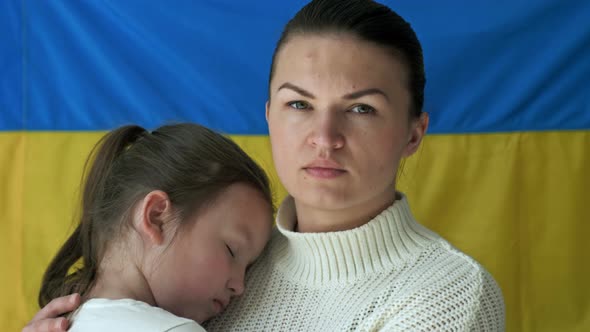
(48, 318)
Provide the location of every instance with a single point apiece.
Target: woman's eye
(363, 109)
(300, 105)
(231, 252)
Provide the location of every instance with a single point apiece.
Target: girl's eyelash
(231, 252)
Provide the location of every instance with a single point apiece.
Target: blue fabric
(94, 65)
(11, 34)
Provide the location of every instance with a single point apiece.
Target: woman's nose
(326, 132)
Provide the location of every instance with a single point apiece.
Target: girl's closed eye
(231, 252)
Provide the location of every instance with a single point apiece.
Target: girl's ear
(154, 211)
(417, 132)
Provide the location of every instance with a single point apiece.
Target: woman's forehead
(340, 62)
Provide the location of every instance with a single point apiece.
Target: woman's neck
(319, 258)
(311, 219)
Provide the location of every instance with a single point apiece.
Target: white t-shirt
(126, 315)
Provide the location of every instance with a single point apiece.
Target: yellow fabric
(515, 202)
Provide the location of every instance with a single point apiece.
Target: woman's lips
(323, 172)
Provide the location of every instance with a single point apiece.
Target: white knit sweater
(391, 274)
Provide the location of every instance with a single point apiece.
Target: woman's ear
(266, 106)
(154, 211)
(417, 132)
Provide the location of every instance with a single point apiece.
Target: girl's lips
(219, 306)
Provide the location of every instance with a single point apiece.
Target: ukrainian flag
(503, 174)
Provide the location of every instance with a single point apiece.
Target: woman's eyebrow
(365, 92)
(297, 89)
(352, 95)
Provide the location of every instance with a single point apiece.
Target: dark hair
(370, 21)
(191, 163)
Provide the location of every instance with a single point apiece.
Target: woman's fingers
(47, 325)
(48, 320)
(58, 307)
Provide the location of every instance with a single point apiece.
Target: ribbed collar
(386, 241)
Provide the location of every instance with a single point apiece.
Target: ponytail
(84, 244)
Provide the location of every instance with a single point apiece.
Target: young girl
(170, 221)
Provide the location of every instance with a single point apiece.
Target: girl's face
(338, 118)
(205, 264)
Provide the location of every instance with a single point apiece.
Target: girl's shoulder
(128, 315)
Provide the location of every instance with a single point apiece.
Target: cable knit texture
(391, 274)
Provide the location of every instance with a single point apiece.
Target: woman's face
(339, 124)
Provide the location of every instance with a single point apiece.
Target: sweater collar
(381, 244)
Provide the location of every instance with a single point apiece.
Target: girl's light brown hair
(189, 162)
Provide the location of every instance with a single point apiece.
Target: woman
(345, 107)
